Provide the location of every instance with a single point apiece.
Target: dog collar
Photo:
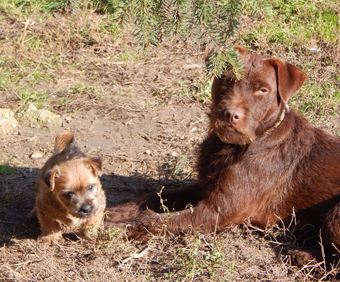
(280, 119)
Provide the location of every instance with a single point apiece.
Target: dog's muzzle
(85, 211)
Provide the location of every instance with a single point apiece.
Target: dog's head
(76, 185)
(244, 109)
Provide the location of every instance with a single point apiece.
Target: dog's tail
(62, 141)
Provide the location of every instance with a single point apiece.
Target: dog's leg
(161, 202)
(331, 229)
(199, 218)
(51, 230)
(89, 229)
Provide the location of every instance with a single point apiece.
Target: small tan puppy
(68, 191)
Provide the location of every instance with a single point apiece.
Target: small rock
(148, 152)
(68, 119)
(193, 129)
(36, 155)
(8, 123)
(174, 154)
(37, 118)
(330, 68)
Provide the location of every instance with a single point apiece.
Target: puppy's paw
(87, 234)
(51, 238)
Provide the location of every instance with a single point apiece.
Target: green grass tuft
(7, 170)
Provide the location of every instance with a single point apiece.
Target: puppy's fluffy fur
(68, 191)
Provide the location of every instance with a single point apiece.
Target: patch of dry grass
(241, 254)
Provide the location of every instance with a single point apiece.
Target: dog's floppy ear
(95, 165)
(48, 178)
(289, 78)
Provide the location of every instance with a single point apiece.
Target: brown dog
(68, 191)
(260, 162)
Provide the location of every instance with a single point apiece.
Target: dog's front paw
(51, 238)
(86, 234)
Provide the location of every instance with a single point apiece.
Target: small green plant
(178, 166)
(169, 275)
(7, 170)
(199, 91)
(200, 259)
(34, 43)
(165, 210)
(31, 96)
(163, 92)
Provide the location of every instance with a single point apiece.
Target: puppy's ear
(289, 78)
(95, 165)
(63, 140)
(48, 178)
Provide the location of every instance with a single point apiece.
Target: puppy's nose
(233, 115)
(85, 208)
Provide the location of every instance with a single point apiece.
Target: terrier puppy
(69, 192)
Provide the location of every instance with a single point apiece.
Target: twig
(27, 262)
(218, 213)
(25, 32)
(136, 255)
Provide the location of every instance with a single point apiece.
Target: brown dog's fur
(68, 191)
(260, 162)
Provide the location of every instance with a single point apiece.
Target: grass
(40, 43)
(307, 24)
(28, 96)
(7, 170)
(318, 100)
(200, 91)
(297, 25)
(196, 256)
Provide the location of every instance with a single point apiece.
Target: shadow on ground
(17, 198)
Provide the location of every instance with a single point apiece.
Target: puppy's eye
(90, 188)
(68, 194)
(263, 90)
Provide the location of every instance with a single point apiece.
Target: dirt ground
(146, 130)
(144, 139)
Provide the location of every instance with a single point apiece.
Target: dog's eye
(263, 90)
(90, 188)
(68, 194)
(227, 79)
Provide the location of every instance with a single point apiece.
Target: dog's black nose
(85, 208)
